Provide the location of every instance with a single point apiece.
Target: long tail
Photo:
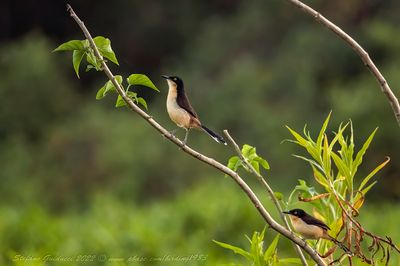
(340, 244)
(214, 135)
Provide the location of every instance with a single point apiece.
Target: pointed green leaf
(120, 102)
(271, 248)
(342, 167)
(100, 93)
(256, 248)
(255, 165)
(236, 250)
(142, 102)
(234, 163)
(77, 56)
(312, 162)
(338, 135)
(360, 154)
(263, 162)
(91, 59)
(70, 46)
(108, 87)
(143, 80)
(323, 129)
(366, 179)
(104, 46)
(365, 190)
(302, 141)
(249, 152)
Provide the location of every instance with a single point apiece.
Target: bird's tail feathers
(341, 245)
(214, 135)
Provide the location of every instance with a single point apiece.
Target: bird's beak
(166, 77)
(286, 212)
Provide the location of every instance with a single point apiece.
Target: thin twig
(235, 176)
(359, 226)
(268, 188)
(394, 102)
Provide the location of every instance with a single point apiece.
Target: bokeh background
(79, 177)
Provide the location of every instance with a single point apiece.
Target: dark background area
(249, 66)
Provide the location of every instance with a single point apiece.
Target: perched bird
(181, 111)
(312, 228)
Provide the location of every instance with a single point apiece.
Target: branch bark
(210, 161)
(394, 102)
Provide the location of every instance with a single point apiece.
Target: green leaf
(342, 167)
(271, 248)
(366, 179)
(257, 246)
(360, 154)
(234, 162)
(108, 87)
(142, 102)
(77, 56)
(100, 93)
(104, 46)
(300, 140)
(365, 190)
(323, 129)
(263, 162)
(237, 250)
(140, 79)
(120, 101)
(255, 165)
(70, 46)
(91, 59)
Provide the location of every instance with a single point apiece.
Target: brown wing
(184, 103)
(308, 219)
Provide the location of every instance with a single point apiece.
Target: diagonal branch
(394, 102)
(210, 161)
(268, 188)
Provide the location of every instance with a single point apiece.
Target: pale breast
(306, 230)
(177, 114)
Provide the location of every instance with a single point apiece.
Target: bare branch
(210, 161)
(394, 102)
(268, 188)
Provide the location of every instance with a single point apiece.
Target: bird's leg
(186, 136)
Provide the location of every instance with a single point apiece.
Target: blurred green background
(80, 178)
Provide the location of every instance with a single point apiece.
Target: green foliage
(143, 80)
(80, 48)
(249, 153)
(257, 255)
(334, 164)
(108, 87)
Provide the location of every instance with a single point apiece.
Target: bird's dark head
(174, 81)
(296, 212)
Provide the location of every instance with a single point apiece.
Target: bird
(312, 228)
(181, 111)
